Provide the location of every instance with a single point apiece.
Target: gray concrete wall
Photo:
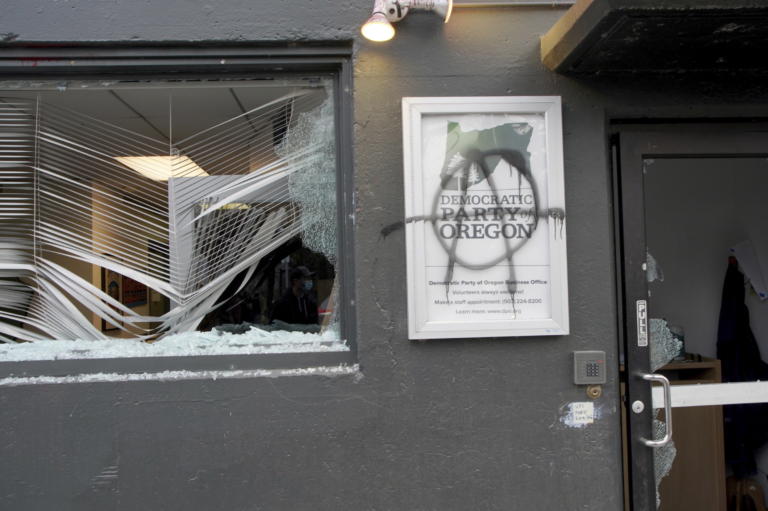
(439, 425)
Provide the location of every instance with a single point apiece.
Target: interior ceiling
(672, 36)
(151, 111)
(170, 113)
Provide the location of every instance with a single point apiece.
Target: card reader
(588, 367)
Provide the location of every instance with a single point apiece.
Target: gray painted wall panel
(439, 425)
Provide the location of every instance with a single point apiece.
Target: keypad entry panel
(588, 367)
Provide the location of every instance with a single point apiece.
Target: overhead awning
(661, 36)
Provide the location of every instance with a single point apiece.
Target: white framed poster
(485, 217)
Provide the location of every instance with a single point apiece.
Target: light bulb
(378, 28)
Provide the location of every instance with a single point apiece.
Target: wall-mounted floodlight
(385, 12)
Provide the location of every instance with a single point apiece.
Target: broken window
(162, 218)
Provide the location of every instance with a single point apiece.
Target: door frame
(630, 145)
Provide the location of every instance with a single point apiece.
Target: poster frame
(414, 109)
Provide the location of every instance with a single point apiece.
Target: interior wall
(696, 210)
(104, 206)
(55, 209)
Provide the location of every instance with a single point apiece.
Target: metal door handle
(667, 411)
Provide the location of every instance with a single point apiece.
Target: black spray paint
(479, 159)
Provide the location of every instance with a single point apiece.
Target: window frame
(163, 62)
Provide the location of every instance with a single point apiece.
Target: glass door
(692, 251)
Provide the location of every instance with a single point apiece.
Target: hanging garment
(745, 426)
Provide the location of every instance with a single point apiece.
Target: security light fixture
(385, 12)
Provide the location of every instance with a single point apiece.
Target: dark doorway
(685, 196)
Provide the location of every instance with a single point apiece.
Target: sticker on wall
(579, 414)
(485, 217)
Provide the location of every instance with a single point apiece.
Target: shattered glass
(664, 345)
(314, 189)
(653, 271)
(663, 457)
(214, 223)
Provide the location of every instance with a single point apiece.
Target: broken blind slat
(78, 190)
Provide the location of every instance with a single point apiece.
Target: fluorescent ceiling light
(231, 205)
(161, 168)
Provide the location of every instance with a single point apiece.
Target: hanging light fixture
(385, 12)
